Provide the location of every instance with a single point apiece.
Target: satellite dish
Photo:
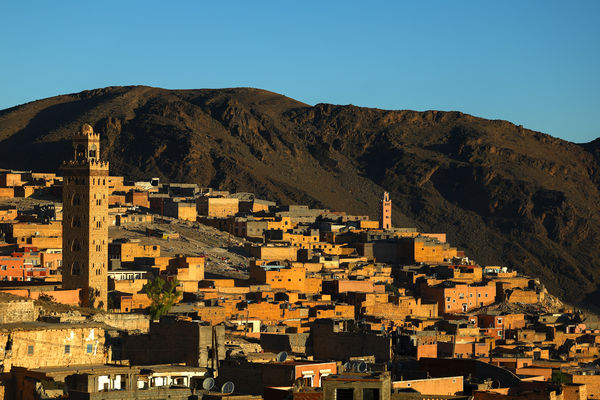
(281, 356)
(347, 366)
(361, 367)
(227, 387)
(208, 384)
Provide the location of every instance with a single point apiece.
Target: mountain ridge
(506, 194)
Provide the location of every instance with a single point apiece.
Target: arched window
(80, 152)
(76, 269)
(93, 151)
(75, 246)
(76, 223)
(76, 200)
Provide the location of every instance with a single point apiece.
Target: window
(30, 350)
(499, 333)
(371, 394)
(67, 349)
(75, 270)
(89, 348)
(307, 380)
(344, 394)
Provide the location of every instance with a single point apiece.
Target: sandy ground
(224, 253)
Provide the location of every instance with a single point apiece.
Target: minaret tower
(85, 220)
(385, 212)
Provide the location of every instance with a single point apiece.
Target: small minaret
(385, 212)
(85, 220)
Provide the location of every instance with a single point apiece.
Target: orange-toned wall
(187, 269)
(592, 383)
(138, 199)
(523, 296)
(70, 296)
(219, 207)
(8, 179)
(136, 301)
(286, 278)
(355, 286)
(313, 285)
(42, 242)
(64, 296)
(214, 315)
(115, 199)
(127, 285)
(533, 371)
(441, 237)
(53, 229)
(574, 392)
(129, 251)
(8, 214)
(275, 253)
(187, 213)
(427, 350)
(7, 192)
(447, 386)
(433, 253)
(449, 299)
(331, 368)
(369, 224)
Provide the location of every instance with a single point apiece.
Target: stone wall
(124, 322)
(15, 309)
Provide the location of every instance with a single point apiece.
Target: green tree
(558, 377)
(163, 295)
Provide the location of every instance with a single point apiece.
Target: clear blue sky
(535, 63)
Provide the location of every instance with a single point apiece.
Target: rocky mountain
(506, 194)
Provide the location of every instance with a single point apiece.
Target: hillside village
(271, 301)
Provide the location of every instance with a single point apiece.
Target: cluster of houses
(333, 306)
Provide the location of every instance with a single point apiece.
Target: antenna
(227, 387)
(281, 356)
(208, 384)
(361, 366)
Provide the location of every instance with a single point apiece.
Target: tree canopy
(163, 295)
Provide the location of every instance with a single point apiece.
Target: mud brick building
(38, 344)
(173, 341)
(85, 220)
